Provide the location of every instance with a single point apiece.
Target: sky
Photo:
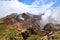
(50, 8)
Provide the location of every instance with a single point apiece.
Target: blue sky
(29, 2)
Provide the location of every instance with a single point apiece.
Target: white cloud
(56, 15)
(51, 16)
(8, 0)
(8, 7)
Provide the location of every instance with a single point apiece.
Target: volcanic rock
(50, 27)
(26, 24)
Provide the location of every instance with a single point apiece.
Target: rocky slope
(25, 26)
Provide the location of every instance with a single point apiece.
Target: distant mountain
(14, 17)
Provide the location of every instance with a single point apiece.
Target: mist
(51, 16)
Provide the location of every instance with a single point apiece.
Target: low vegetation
(13, 29)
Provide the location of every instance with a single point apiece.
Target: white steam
(51, 16)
